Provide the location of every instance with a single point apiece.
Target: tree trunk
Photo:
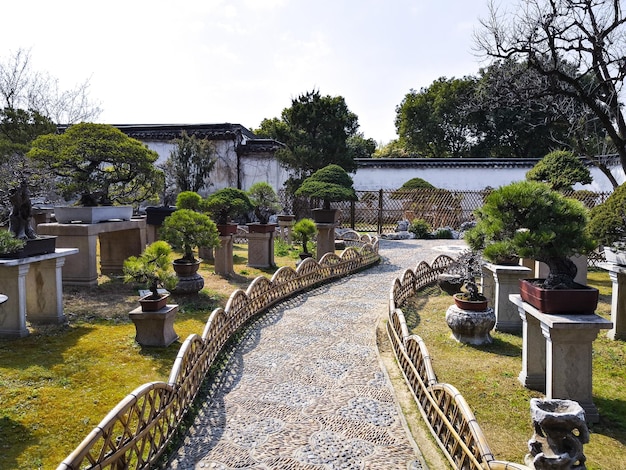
(562, 273)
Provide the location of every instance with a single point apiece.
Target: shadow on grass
(612, 418)
(14, 437)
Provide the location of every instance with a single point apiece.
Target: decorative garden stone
(560, 432)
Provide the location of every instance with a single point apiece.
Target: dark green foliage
(152, 268)
(331, 184)
(420, 228)
(227, 203)
(264, 200)
(99, 164)
(9, 243)
(416, 183)
(190, 162)
(303, 231)
(607, 224)
(443, 234)
(186, 230)
(560, 170)
(533, 222)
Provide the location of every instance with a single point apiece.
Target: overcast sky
(240, 61)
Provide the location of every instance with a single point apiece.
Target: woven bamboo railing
(445, 411)
(135, 433)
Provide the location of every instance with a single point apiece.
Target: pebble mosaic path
(304, 388)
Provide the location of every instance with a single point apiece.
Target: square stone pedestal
(325, 239)
(557, 354)
(224, 256)
(618, 300)
(155, 328)
(500, 281)
(261, 249)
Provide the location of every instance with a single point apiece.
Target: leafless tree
(22, 87)
(579, 46)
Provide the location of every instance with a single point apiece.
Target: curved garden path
(304, 387)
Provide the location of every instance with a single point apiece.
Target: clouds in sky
(240, 61)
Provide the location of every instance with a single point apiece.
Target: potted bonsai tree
(607, 225)
(225, 204)
(154, 269)
(529, 220)
(186, 230)
(330, 184)
(265, 202)
(303, 231)
(98, 165)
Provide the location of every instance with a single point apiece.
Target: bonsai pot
(286, 217)
(155, 215)
(41, 245)
(260, 228)
(326, 216)
(227, 229)
(185, 268)
(150, 304)
(472, 305)
(91, 215)
(580, 300)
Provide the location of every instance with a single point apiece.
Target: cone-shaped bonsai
(330, 184)
(530, 220)
(186, 230)
(225, 204)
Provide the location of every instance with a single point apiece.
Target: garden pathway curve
(304, 387)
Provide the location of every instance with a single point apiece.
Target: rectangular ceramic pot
(581, 300)
(41, 245)
(92, 215)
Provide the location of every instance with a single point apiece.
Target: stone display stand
(325, 239)
(500, 281)
(224, 256)
(618, 300)
(261, 249)
(470, 326)
(155, 328)
(556, 354)
(285, 227)
(34, 290)
(118, 241)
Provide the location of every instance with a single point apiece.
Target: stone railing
(136, 432)
(443, 408)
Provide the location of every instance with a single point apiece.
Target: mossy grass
(487, 376)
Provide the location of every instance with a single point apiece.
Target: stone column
(325, 239)
(44, 300)
(533, 373)
(618, 300)
(13, 311)
(505, 281)
(224, 256)
(285, 225)
(261, 249)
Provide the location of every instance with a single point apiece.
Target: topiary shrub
(420, 228)
(189, 200)
(533, 221)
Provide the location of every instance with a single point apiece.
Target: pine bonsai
(607, 224)
(264, 200)
(530, 220)
(186, 230)
(226, 203)
(153, 268)
(303, 231)
(331, 184)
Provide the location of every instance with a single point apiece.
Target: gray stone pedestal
(261, 249)
(500, 281)
(224, 256)
(155, 328)
(469, 326)
(325, 239)
(556, 354)
(618, 300)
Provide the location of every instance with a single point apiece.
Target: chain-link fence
(379, 211)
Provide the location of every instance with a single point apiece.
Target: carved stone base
(471, 327)
(189, 285)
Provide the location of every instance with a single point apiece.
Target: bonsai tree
(153, 268)
(303, 231)
(331, 184)
(189, 200)
(226, 203)
(264, 200)
(186, 230)
(530, 220)
(607, 224)
(9, 243)
(99, 164)
(561, 170)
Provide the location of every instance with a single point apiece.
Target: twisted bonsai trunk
(562, 273)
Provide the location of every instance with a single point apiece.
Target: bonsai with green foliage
(186, 230)
(225, 204)
(9, 243)
(264, 200)
(330, 184)
(189, 200)
(607, 224)
(152, 268)
(420, 228)
(529, 220)
(561, 170)
(303, 231)
(99, 164)
(411, 185)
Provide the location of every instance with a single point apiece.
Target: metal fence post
(380, 211)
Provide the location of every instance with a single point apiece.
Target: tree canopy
(561, 170)
(99, 164)
(316, 130)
